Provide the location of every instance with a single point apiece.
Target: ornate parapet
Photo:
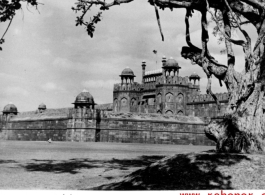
(127, 87)
(149, 86)
(204, 98)
(175, 80)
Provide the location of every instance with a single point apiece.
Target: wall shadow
(181, 172)
(75, 165)
(7, 161)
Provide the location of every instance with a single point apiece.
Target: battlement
(151, 72)
(175, 80)
(48, 114)
(127, 87)
(207, 98)
(148, 86)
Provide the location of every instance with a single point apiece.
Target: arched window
(124, 102)
(169, 112)
(180, 98)
(169, 97)
(115, 105)
(159, 98)
(133, 102)
(180, 113)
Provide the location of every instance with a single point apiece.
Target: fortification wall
(111, 127)
(40, 130)
(205, 106)
(152, 128)
(203, 98)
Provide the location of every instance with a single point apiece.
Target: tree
(8, 10)
(243, 126)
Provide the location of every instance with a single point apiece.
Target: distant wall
(155, 132)
(125, 128)
(35, 130)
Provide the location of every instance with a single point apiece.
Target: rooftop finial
(84, 90)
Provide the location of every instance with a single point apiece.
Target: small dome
(194, 76)
(84, 97)
(42, 106)
(171, 63)
(10, 108)
(127, 72)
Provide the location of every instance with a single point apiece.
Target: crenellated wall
(205, 106)
(127, 87)
(201, 98)
(106, 126)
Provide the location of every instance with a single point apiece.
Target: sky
(47, 59)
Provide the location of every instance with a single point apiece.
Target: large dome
(10, 108)
(127, 72)
(84, 98)
(171, 63)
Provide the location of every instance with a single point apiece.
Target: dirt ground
(77, 166)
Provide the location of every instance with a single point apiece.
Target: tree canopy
(8, 11)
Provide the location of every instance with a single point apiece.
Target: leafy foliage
(8, 11)
(89, 26)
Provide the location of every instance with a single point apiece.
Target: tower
(143, 70)
(9, 111)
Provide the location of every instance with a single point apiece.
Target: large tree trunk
(242, 129)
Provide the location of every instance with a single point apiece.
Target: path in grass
(72, 165)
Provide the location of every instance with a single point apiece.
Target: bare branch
(229, 48)
(248, 39)
(255, 3)
(237, 42)
(158, 20)
(189, 14)
(7, 29)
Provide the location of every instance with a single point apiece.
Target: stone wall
(140, 128)
(35, 130)
(111, 127)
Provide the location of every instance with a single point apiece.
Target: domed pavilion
(84, 99)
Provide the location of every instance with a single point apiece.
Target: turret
(164, 59)
(143, 70)
(127, 75)
(195, 77)
(9, 111)
(42, 108)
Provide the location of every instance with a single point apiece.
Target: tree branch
(237, 42)
(248, 39)
(188, 41)
(229, 48)
(255, 3)
(158, 20)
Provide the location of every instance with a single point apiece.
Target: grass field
(72, 165)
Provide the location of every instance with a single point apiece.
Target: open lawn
(76, 165)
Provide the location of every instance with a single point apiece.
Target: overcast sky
(47, 59)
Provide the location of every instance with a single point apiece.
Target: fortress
(163, 91)
(164, 108)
